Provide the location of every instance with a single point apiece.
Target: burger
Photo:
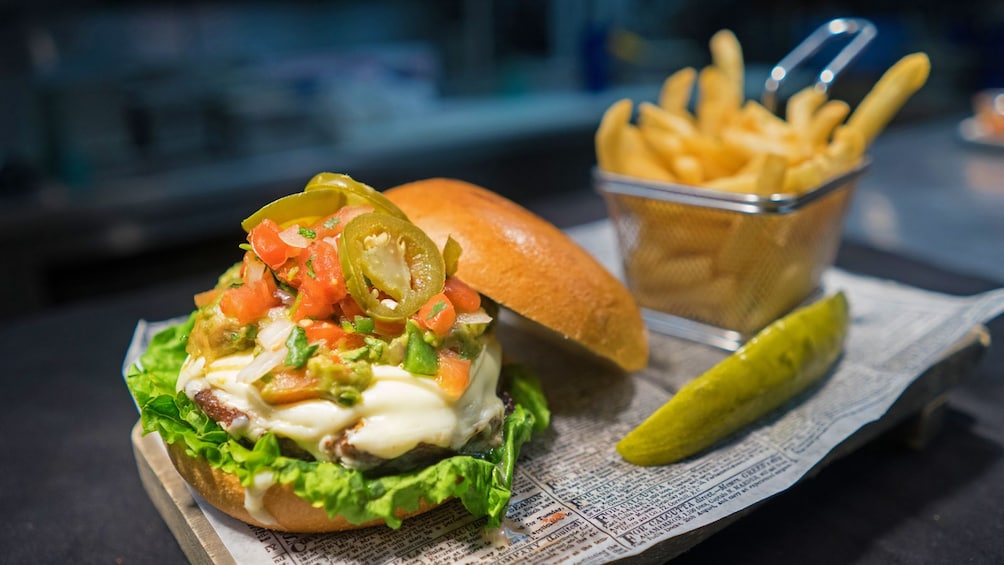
(346, 372)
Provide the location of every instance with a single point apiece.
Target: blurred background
(134, 136)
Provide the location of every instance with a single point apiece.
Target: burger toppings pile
(343, 360)
(356, 316)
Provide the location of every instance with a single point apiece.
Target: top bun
(529, 266)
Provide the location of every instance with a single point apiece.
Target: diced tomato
(329, 332)
(249, 302)
(319, 280)
(388, 327)
(464, 298)
(290, 386)
(437, 315)
(350, 308)
(332, 334)
(353, 341)
(319, 266)
(289, 273)
(268, 246)
(311, 302)
(333, 225)
(454, 373)
(207, 297)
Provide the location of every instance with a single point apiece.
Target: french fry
(716, 101)
(700, 302)
(664, 144)
(727, 55)
(823, 122)
(650, 115)
(714, 299)
(688, 169)
(739, 246)
(787, 289)
(621, 149)
(847, 147)
(889, 94)
(755, 117)
(750, 144)
(671, 152)
(636, 159)
(718, 159)
(674, 97)
(682, 271)
(753, 165)
(771, 178)
(742, 184)
(803, 176)
(669, 149)
(607, 138)
(679, 231)
(801, 107)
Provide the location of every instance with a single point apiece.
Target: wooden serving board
(913, 417)
(174, 501)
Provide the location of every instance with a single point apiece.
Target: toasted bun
(291, 513)
(529, 266)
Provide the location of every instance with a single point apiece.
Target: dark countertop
(71, 493)
(930, 196)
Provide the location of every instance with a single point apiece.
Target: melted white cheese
(398, 411)
(254, 498)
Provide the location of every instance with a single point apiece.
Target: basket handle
(862, 30)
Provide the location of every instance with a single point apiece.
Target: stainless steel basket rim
(613, 183)
(693, 330)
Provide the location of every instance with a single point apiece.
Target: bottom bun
(289, 512)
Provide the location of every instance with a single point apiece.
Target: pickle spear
(779, 362)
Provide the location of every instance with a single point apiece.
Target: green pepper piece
(419, 357)
(451, 255)
(391, 267)
(356, 193)
(299, 352)
(363, 325)
(303, 208)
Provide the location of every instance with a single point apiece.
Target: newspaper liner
(575, 500)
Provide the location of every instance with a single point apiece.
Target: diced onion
(261, 365)
(192, 367)
(286, 297)
(273, 336)
(255, 271)
(479, 317)
(293, 238)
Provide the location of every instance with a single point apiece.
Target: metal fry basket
(716, 267)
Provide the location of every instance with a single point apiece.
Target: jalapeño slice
(391, 267)
(355, 192)
(300, 208)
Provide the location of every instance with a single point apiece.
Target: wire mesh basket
(717, 267)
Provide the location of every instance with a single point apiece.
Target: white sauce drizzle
(254, 498)
(505, 535)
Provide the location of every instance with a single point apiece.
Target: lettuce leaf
(483, 485)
